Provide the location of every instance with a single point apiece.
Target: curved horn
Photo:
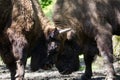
(65, 30)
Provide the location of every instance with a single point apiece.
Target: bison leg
(20, 56)
(12, 68)
(88, 58)
(104, 43)
(38, 55)
(18, 42)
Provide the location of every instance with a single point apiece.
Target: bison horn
(65, 30)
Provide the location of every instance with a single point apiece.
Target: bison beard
(93, 23)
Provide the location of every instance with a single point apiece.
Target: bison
(23, 29)
(92, 23)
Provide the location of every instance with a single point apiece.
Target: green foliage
(116, 45)
(45, 3)
(48, 10)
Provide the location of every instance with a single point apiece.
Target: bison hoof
(85, 77)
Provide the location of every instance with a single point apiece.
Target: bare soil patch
(98, 72)
(53, 74)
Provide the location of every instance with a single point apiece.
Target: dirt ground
(47, 75)
(53, 74)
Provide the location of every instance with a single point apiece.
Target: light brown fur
(25, 26)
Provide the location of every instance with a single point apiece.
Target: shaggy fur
(23, 29)
(93, 23)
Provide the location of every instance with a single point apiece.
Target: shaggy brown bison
(93, 22)
(23, 29)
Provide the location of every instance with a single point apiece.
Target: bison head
(61, 51)
(68, 60)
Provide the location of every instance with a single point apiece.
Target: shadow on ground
(53, 74)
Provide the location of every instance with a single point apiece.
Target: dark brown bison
(93, 22)
(23, 29)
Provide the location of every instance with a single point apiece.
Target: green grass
(1, 62)
(97, 64)
(49, 10)
(82, 65)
